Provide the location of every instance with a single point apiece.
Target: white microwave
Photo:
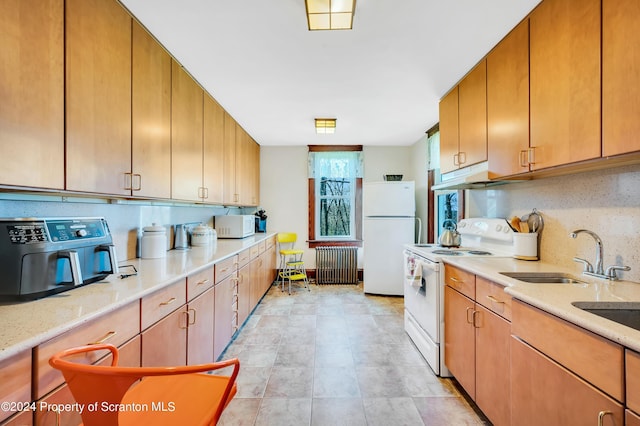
(235, 226)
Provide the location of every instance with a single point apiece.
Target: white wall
(419, 158)
(606, 202)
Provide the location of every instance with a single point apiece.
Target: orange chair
(112, 395)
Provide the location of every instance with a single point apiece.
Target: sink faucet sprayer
(599, 272)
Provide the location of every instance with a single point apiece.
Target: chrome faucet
(599, 270)
(610, 273)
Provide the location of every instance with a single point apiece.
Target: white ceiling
(382, 80)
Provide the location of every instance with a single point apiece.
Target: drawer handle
(106, 337)
(494, 300)
(455, 280)
(601, 416)
(168, 302)
(206, 280)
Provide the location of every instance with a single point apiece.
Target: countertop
(28, 324)
(556, 298)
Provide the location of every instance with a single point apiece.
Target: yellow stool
(291, 263)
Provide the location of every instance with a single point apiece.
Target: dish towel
(413, 272)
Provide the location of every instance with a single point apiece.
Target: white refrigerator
(389, 223)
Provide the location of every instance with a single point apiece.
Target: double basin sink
(625, 313)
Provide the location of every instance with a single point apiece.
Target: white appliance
(235, 226)
(389, 223)
(424, 282)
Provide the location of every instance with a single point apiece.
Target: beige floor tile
(290, 382)
(395, 411)
(338, 382)
(284, 412)
(337, 412)
(240, 412)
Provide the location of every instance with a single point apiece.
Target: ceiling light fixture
(325, 126)
(330, 14)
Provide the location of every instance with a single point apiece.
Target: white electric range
(424, 281)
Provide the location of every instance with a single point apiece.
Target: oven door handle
(434, 266)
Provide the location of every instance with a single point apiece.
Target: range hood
(472, 177)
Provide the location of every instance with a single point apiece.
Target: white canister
(153, 242)
(525, 245)
(201, 235)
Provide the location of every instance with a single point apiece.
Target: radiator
(336, 265)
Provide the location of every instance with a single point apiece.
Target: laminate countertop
(556, 299)
(28, 324)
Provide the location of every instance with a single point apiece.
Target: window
(335, 195)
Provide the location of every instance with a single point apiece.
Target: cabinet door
(15, 375)
(151, 116)
(225, 317)
(213, 179)
(186, 136)
(545, 393)
(492, 366)
(620, 76)
(565, 82)
(200, 330)
(449, 131)
(459, 339)
(230, 194)
(165, 343)
(472, 116)
(245, 276)
(632, 379)
(255, 172)
(23, 419)
(508, 103)
(32, 93)
(46, 417)
(98, 96)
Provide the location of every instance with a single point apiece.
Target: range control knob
(81, 233)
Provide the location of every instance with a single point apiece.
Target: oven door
(421, 293)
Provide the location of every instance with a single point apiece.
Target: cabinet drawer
(270, 243)
(594, 358)
(158, 305)
(632, 373)
(15, 376)
(199, 282)
(243, 257)
(225, 267)
(463, 281)
(262, 246)
(116, 328)
(492, 296)
(254, 251)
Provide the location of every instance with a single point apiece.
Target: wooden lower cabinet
(200, 329)
(225, 317)
(23, 419)
(245, 281)
(15, 376)
(545, 393)
(164, 343)
(631, 418)
(459, 352)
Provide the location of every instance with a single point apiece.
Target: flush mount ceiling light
(325, 126)
(330, 14)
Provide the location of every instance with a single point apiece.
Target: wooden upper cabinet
(620, 76)
(186, 136)
(472, 117)
(151, 116)
(230, 195)
(213, 178)
(32, 93)
(565, 82)
(98, 96)
(508, 104)
(449, 131)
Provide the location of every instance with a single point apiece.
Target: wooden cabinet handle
(462, 157)
(473, 317)
(470, 321)
(206, 280)
(601, 416)
(455, 280)
(168, 302)
(456, 159)
(104, 338)
(189, 321)
(523, 158)
(493, 299)
(531, 155)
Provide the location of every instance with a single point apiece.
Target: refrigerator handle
(419, 229)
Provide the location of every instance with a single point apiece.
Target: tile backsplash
(606, 202)
(125, 219)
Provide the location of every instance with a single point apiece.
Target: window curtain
(335, 164)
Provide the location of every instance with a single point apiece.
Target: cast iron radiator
(336, 265)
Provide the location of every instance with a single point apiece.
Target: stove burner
(448, 252)
(480, 253)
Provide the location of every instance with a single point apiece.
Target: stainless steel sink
(625, 313)
(543, 277)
